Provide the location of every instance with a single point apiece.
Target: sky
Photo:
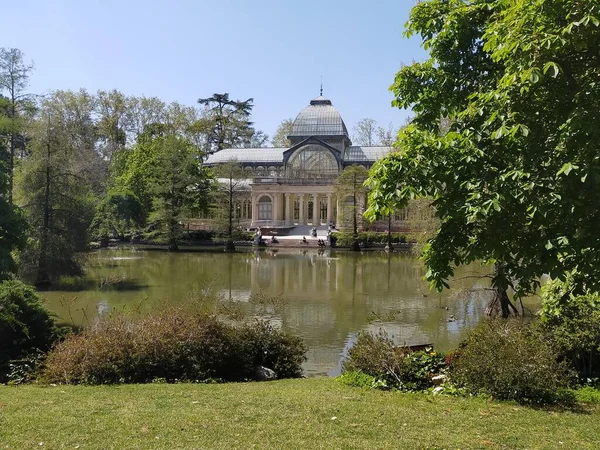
(180, 50)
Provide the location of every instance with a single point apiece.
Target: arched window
(260, 171)
(323, 209)
(312, 161)
(272, 171)
(265, 208)
(249, 171)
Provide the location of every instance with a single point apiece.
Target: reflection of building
(295, 186)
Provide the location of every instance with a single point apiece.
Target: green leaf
(567, 168)
(534, 77)
(553, 68)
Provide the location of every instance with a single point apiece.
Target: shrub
(588, 394)
(25, 325)
(511, 361)
(360, 379)
(175, 345)
(270, 348)
(345, 239)
(200, 235)
(236, 235)
(378, 356)
(573, 323)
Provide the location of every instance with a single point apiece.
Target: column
(253, 207)
(275, 215)
(329, 211)
(316, 211)
(301, 217)
(289, 209)
(338, 216)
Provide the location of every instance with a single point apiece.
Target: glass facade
(312, 161)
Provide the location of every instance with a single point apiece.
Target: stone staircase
(304, 230)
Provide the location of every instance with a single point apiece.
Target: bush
(378, 356)
(573, 323)
(26, 327)
(345, 239)
(174, 345)
(236, 235)
(200, 235)
(510, 361)
(360, 379)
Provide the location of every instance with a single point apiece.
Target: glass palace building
(295, 186)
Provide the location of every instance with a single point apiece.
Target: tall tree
(14, 79)
(515, 179)
(227, 123)
(112, 123)
(12, 224)
(179, 184)
(56, 191)
(365, 132)
(350, 183)
(283, 131)
(231, 186)
(386, 136)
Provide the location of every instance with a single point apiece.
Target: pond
(324, 298)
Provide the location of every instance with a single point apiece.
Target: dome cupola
(320, 118)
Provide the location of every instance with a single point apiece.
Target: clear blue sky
(180, 50)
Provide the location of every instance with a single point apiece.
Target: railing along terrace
(273, 223)
(293, 181)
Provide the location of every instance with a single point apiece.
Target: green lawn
(295, 414)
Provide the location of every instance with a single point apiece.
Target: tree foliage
(155, 184)
(365, 132)
(14, 79)
(368, 133)
(12, 223)
(56, 188)
(231, 186)
(227, 122)
(515, 179)
(280, 138)
(25, 324)
(179, 184)
(350, 185)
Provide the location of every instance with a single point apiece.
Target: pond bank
(313, 413)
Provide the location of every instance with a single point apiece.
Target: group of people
(322, 243)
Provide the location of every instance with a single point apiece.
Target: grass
(295, 414)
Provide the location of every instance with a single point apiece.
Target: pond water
(324, 298)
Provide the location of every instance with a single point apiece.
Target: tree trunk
(501, 305)
(230, 229)
(11, 163)
(43, 277)
(355, 247)
(389, 247)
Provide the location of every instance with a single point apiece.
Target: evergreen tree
(56, 193)
(227, 122)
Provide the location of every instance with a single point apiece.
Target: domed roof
(319, 118)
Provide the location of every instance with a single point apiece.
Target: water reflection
(326, 298)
